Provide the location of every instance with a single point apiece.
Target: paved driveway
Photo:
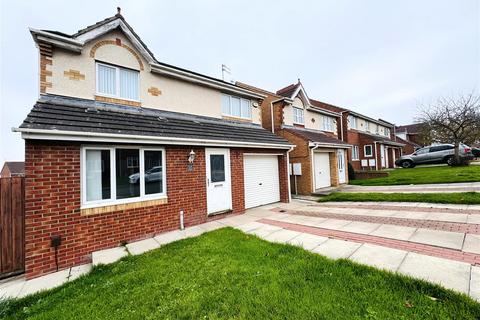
(437, 243)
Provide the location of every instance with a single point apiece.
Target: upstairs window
(328, 124)
(117, 82)
(298, 116)
(236, 107)
(367, 126)
(353, 122)
(387, 132)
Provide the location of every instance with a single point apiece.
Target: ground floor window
(355, 155)
(122, 174)
(368, 150)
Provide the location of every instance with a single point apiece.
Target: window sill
(236, 118)
(86, 211)
(107, 99)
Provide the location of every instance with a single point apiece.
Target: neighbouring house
(319, 157)
(411, 133)
(120, 145)
(13, 169)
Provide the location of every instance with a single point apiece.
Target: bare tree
(452, 120)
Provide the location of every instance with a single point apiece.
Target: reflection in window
(153, 172)
(217, 168)
(127, 173)
(98, 175)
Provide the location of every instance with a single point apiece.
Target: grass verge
(424, 175)
(454, 198)
(229, 274)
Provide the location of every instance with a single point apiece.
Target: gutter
(43, 134)
(329, 145)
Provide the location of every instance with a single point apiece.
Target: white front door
(219, 186)
(321, 164)
(262, 183)
(382, 155)
(341, 166)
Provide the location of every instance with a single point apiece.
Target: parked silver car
(441, 153)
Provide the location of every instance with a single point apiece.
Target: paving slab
(378, 256)
(360, 227)
(194, 231)
(448, 217)
(237, 220)
(410, 215)
(336, 249)
(12, 290)
(46, 282)
(250, 226)
(210, 226)
(393, 232)
(78, 271)
(264, 231)
(307, 241)
(168, 237)
(282, 236)
(475, 283)
(308, 221)
(473, 218)
(448, 273)
(472, 243)
(447, 239)
(142, 246)
(333, 224)
(108, 255)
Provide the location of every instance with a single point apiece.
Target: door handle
(260, 184)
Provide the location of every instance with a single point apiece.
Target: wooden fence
(12, 226)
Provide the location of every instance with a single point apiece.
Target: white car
(151, 175)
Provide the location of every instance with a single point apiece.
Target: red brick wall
(52, 205)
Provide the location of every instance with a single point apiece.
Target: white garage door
(261, 180)
(322, 170)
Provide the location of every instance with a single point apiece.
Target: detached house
(319, 157)
(121, 146)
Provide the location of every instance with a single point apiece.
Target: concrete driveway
(437, 243)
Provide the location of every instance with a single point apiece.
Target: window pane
(235, 104)
(106, 80)
(368, 150)
(226, 104)
(129, 84)
(217, 168)
(127, 173)
(246, 109)
(153, 172)
(97, 166)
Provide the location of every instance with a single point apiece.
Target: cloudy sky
(380, 58)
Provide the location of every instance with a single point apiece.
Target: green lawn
(227, 274)
(420, 175)
(455, 198)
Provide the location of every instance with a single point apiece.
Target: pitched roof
(382, 139)
(409, 128)
(16, 168)
(413, 144)
(315, 136)
(88, 116)
(289, 90)
(327, 106)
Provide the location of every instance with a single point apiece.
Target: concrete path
(437, 243)
(416, 188)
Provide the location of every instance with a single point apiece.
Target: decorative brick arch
(119, 43)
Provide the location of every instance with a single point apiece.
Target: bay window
(236, 107)
(113, 175)
(117, 82)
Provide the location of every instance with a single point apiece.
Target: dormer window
(298, 116)
(117, 82)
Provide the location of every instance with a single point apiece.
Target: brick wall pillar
(332, 156)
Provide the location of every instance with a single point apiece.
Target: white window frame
(365, 151)
(327, 124)
(387, 132)
(117, 83)
(113, 178)
(355, 153)
(296, 117)
(352, 120)
(230, 114)
(367, 126)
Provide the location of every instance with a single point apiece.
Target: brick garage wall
(52, 205)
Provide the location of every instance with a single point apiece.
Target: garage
(261, 180)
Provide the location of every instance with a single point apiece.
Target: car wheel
(407, 164)
(450, 161)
